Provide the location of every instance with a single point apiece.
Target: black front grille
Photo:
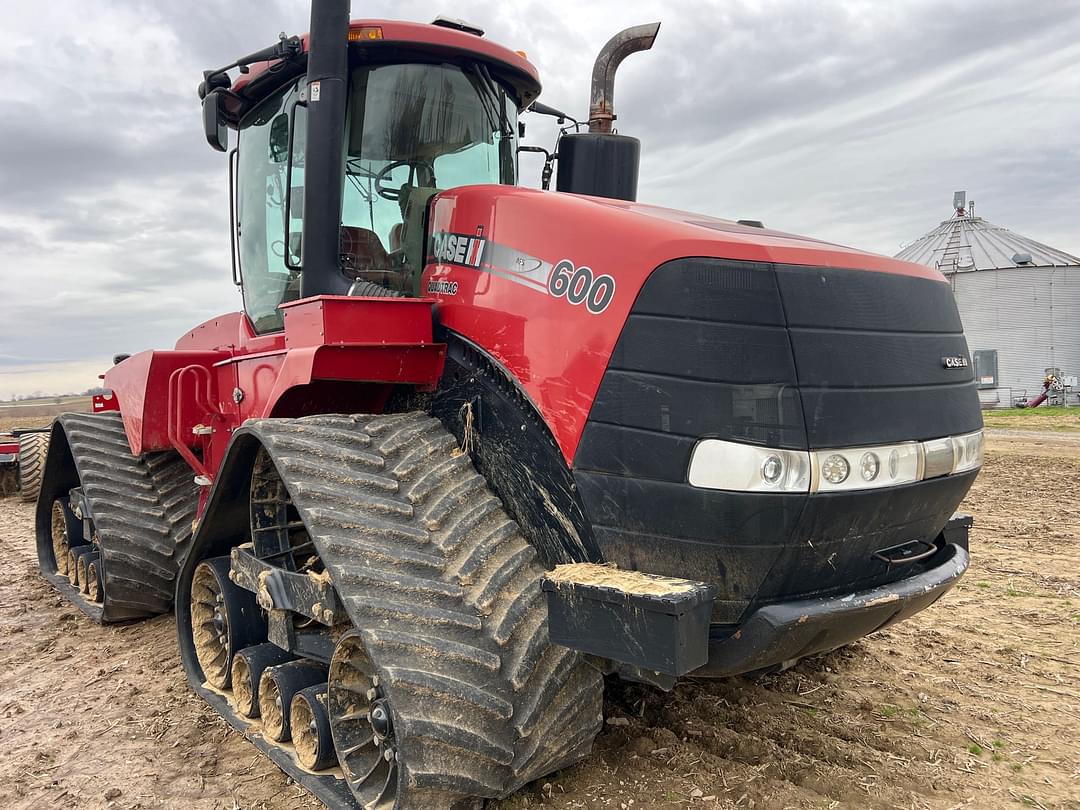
(868, 350)
(780, 356)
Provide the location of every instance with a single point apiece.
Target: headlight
(835, 468)
(967, 452)
(869, 465)
(901, 466)
(718, 464)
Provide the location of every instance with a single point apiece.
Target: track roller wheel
(362, 725)
(225, 619)
(84, 563)
(311, 728)
(61, 544)
(276, 689)
(71, 569)
(94, 588)
(74, 558)
(247, 669)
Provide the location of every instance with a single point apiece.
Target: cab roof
(385, 36)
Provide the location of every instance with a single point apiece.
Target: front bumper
(667, 633)
(780, 634)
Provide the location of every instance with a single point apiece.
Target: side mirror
(217, 134)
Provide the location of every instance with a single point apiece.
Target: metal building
(1019, 300)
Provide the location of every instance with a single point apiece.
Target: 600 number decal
(581, 287)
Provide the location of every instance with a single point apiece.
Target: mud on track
(974, 703)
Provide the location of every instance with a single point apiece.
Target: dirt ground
(973, 703)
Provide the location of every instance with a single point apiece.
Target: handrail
(201, 397)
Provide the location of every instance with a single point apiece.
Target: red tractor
(471, 446)
(22, 460)
(9, 464)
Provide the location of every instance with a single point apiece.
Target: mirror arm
(549, 161)
(543, 109)
(285, 48)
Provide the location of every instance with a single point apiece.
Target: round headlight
(835, 469)
(772, 469)
(894, 463)
(869, 465)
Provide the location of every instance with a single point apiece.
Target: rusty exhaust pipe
(599, 162)
(602, 101)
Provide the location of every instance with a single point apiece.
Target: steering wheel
(394, 194)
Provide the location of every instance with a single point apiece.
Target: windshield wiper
(494, 105)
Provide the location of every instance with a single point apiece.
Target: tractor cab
(425, 108)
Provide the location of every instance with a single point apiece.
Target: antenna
(959, 202)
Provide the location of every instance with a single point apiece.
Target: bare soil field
(39, 412)
(973, 703)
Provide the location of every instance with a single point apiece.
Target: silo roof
(965, 242)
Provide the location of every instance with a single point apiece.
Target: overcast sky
(849, 121)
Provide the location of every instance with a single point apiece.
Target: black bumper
(778, 634)
(669, 635)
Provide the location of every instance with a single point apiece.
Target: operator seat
(364, 258)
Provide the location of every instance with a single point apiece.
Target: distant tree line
(89, 392)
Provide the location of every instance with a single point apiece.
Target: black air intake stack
(327, 91)
(600, 162)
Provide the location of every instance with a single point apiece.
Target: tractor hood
(546, 283)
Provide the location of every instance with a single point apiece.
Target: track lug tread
(445, 593)
(433, 646)
(142, 507)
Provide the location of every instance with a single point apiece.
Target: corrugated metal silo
(1017, 297)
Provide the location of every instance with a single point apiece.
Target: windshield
(415, 129)
(412, 129)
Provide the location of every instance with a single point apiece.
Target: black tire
(369, 289)
(33, 449)
(445, 594)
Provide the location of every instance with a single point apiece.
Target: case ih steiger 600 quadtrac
(470, 447)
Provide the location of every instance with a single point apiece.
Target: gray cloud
(850, 121)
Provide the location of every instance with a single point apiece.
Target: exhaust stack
(602, 101)
(601, 163)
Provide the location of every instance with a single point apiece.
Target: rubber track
(33, 448)
(142, 508)
(445, 591)
(370, 289)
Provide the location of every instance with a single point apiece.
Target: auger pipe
(602, 102)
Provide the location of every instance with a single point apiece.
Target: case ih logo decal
(577, 284)
(457, 248)
(959, 361)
